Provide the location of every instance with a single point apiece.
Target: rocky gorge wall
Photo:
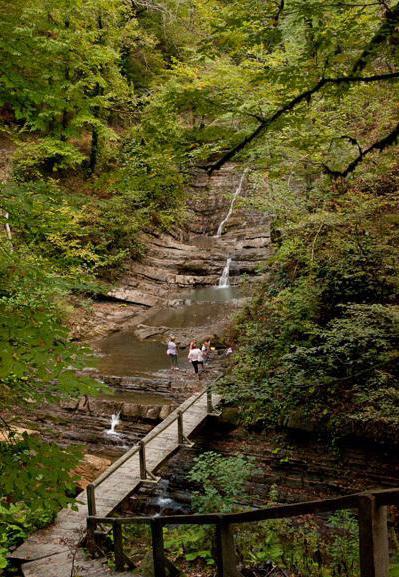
(173, 264)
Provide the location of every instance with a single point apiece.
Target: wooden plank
(118, 546)
(60, 566)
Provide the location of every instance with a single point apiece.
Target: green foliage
(37, 358)
(192, 543)
(62, 73)
(320, 341)
(309, 545)
(81, 236)
(222, 480)
(35, 482)
(47, 156)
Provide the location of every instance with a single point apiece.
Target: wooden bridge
(370, 508)
(53, 551)
(50, 552)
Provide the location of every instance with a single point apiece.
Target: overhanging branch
(304, 96)
(388, 140)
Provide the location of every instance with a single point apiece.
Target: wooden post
(118, 546)
(225, 551)
(158, 553)
(143, 467)
(180, 432)
(91, 500)
(209, 404)
(90, 536)
(373, 538)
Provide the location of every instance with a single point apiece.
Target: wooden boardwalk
(48, 552)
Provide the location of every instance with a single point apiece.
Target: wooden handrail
(176, 415)
(383, 497)
(370, 506)
(169, 420)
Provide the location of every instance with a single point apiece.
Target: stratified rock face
(134, 296)
(188, 257)
(198, 257)
(90, 468)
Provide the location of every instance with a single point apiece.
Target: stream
(124, 353)
(191, 289)
(198, 313)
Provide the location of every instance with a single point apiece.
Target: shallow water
(196, 314)
(213, 294)
(123, 354)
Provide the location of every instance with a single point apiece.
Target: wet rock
(131, 410)
(101, 407)
(230, 416)
(298, 420)
(153, 413)
(144, 332)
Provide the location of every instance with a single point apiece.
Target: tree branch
(265, 123)
(388, 140)
(386, 30)
(279, 12)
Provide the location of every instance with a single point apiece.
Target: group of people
(197, 354)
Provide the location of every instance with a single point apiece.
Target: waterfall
(235, 195)
(115, 420)
(163, 500)
(224, 279)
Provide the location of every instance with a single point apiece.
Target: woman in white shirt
(172, 352)
(196, 358)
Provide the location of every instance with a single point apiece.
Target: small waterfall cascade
(224, 280)
(115, 420)
(163, 501)
(236, 194)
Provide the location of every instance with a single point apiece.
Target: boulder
(153, 413)
(165, 411)
(131, 410)
(134, 296)
(145, 332)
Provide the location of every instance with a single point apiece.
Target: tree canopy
(107, 107)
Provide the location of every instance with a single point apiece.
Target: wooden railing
(145, 474)
(371, 509)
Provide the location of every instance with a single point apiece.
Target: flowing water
(124, 354)
(195, 314)
(214, 295)
(115, 420)
(224, 280)
(233, 200)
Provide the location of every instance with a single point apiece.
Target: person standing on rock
(196, 358)
(206, 350)
(172, 353)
